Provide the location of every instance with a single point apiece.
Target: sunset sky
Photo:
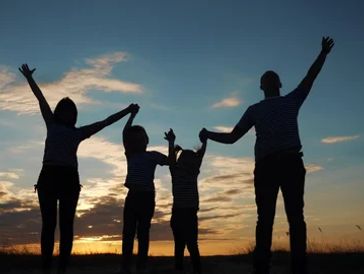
(188, 64)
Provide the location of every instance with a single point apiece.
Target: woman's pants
(57, 184)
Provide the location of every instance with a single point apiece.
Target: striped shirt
(62, 143)
(275, 122)
(141, 168)
(184, 187)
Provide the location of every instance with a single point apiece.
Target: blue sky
(189, 64)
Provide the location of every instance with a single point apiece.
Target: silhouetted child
(184, 222)
(140, 200)
(59, 179)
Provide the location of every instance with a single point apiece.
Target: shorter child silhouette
(140, 200)
(184, 222)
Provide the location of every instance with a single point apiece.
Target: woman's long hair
(65, 112)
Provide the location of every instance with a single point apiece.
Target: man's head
(270, 83)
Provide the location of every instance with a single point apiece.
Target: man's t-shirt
(275, 122)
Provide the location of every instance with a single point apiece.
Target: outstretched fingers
(327, 44)
(169, 136)
(26, 71)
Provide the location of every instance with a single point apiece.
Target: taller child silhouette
(278, 160)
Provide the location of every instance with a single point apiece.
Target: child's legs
(191, 232)
(129, 228)
(146, 205)
(177, 221)
(67, 208)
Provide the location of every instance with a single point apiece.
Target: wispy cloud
(339, 139)
(75, 83)
(312, 168)
(223, 128)
(227, 103)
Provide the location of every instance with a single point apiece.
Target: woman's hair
(65, 112)
(135, 140)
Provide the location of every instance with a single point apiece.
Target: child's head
(188, 158)
(65, 112)
(135, 140)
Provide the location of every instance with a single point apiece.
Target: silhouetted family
(278, 159)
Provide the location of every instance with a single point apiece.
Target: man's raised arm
(306, 84)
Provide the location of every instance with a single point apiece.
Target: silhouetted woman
(59, 179)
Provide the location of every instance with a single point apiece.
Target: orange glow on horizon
(207, 247)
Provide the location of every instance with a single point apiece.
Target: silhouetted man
(278, 161)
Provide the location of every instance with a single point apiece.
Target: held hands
(203, 135)
(327, 43)
(169, 136)
(26, 71)
(133, 109)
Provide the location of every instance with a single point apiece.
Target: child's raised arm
(43, 104)
(202, 150)
(171, 137)
(129, 123)
(91, 129)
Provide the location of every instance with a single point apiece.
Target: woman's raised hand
(26, 71)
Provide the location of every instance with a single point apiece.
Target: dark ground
(343, 263)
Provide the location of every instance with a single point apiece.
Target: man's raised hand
(327, 43)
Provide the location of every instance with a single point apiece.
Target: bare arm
(170, 137)
(129, 123)
(242, 127)
(222, 137)
(202, 150)
(46, 111)
(306, 84)
(96, 127)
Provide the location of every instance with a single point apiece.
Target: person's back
(140, 201)
(184, 220)
(58, 182)
(276, 125)
(184, 181)
(279, 163)
(141, 168)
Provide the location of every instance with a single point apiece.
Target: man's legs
(293, 191)
(266, 190)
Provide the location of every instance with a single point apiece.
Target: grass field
(320, 263)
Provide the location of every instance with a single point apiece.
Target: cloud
(6, 77)
(339, 139)
(311, 168)
(223, 128)
(11, 174)
(227, 103)
(75, 83)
